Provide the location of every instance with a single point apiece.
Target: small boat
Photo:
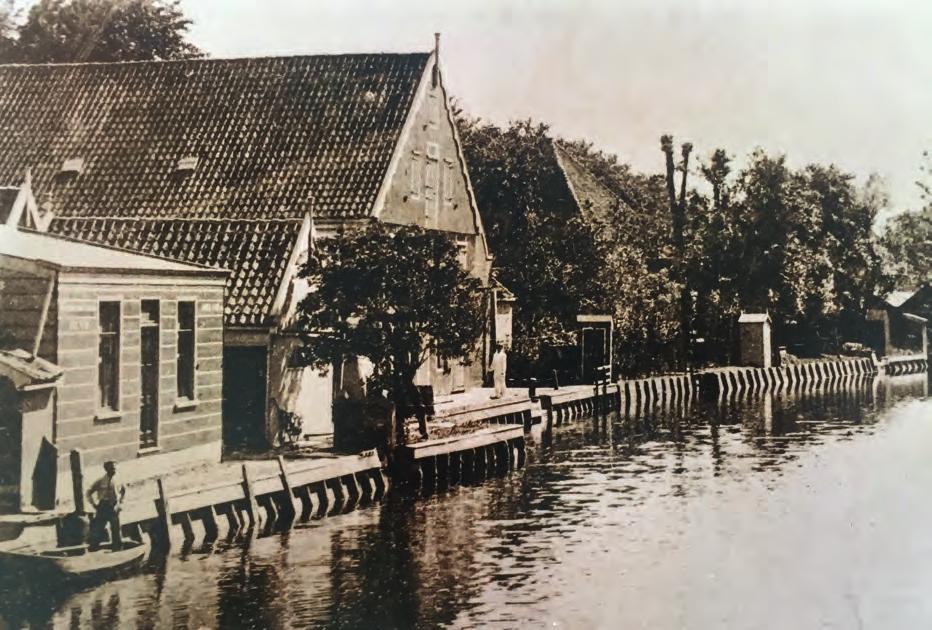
(77, 562)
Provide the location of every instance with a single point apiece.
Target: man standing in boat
(106, 495)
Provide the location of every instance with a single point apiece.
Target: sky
(847, 82)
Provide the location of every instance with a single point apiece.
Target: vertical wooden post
(289, 493)
(252, 509)
(77, 481)
(165, 514)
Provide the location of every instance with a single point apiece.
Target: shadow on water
(495, 551)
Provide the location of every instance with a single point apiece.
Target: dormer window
(72, 166)
(186, 165)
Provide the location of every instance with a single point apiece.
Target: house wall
(304, 390)
(187, 433)
(411, 187)
(429, 188)
(36, 467)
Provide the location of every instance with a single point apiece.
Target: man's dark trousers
(106, 514)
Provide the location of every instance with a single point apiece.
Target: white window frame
(108, 412)
(183, 402)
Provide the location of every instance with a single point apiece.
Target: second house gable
(427, 183)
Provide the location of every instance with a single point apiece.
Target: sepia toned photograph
(371, 314)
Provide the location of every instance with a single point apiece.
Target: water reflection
(697, 514)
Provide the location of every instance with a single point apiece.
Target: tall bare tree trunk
(678, 216)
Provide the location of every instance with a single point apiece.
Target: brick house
(229, 163)
(125, 350)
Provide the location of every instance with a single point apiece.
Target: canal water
(786, 511)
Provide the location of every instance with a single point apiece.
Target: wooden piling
(252, 509)
(163, 508)
(291, 510)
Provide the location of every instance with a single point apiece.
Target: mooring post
(252, 509)
(289, 493)
(77, 481)
(164, 514)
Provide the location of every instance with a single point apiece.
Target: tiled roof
(273, 137)
(256, 252)
(270, 134)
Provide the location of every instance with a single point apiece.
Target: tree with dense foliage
(543, 249)
(671, 264)
(559, 263)
(907, 241)
(59, 31)
(395, 295)
(8, 25)
(635, 247)
(796, 243)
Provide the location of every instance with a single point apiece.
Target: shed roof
(753, 318)
(897, 298)
(255, 252)
(64, 253)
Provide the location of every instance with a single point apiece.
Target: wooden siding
(180, 426)
(22, 295)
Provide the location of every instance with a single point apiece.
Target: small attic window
(73, 166)
(186, 165)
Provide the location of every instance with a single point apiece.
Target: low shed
(139, 341)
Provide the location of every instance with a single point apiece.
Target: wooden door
(149, 376)
(244, 383)
(459, 376)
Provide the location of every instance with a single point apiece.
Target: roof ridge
(214, 59)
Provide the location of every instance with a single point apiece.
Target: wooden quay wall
(910, 364)
(459, 459)
(732, 381)
(634, 395)
(509, 410)
(575, 401)
(248, 503)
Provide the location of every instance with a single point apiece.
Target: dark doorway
(44, 476)
(244, 378)
(594, 352)
(11, 424)
(149, 375)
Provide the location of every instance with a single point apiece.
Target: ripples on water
(790, 511)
